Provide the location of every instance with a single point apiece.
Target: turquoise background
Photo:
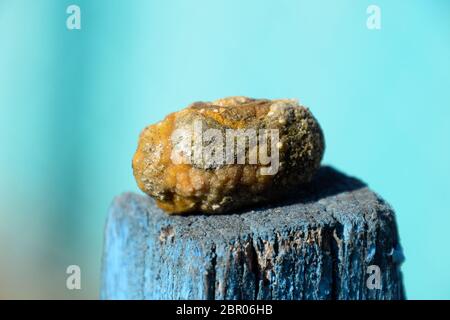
(72, 104)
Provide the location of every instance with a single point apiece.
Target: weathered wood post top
(336, 239)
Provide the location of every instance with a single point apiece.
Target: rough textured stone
(316, 245)
(218, 181)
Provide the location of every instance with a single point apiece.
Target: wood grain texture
(317, 244)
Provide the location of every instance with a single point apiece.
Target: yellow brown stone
(188, 173)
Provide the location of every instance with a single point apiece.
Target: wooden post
(335, 240)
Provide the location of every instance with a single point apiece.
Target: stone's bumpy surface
(318, 245)
(214, 187)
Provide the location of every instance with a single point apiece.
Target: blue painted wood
(317, 244)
